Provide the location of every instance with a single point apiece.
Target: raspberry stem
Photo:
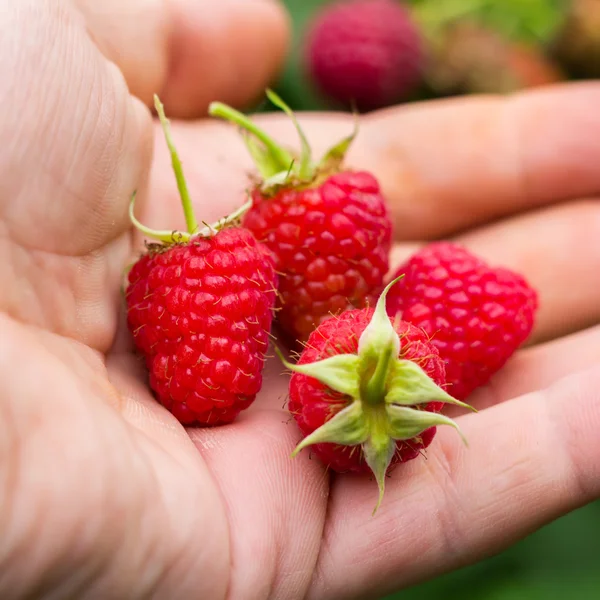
(188, 210)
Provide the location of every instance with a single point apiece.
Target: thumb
(191, 52)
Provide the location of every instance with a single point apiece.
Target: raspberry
(366, 392)
(366, 53)
(331, 242)
(312, 404)
(200, 314)
(329, 228)
(476, 316)
(199, 307)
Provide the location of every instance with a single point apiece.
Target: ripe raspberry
(329, 228)
(476, 316)
(366, 392)
(199, 307)
(365, 53)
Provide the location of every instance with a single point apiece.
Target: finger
(191, 51)
(444, 166)
(447, 166)
(557, 250)
(276, 505)
(539, 367)
(63, 202)
(530, 461)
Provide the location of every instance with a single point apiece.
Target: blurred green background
(563, 559)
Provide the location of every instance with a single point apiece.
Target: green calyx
(277, 166)
(385, 391)
(193, 228)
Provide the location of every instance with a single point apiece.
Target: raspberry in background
(364, 54)
(367, 391)
(475, 315)
(199, 306)
(328, 227)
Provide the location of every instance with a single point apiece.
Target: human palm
(105, 495)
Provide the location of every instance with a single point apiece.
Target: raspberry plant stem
(188, 210)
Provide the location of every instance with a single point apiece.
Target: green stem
(188, 210)
(283, 158)
(374, 390)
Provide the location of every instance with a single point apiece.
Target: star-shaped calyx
(277, 166)
(385, 392)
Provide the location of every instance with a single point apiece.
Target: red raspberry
(199, 307)
(366, 392)
(331, 242)
(329, 228)
(200, 313)
(366, 53)
(476, 316)
(312, 403)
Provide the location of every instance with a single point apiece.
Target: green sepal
(306, 170)
(378, 452)
(175, 236)
(339, 373)
(349, 427)
(379, 333)
(334, 157)
(270, 158)
(168, 236)
(277, 166)
(406, 423)
(267, 164)
(178, 237)
(378, 347)
(409, 385)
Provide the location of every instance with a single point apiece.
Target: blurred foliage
(530, 21)
(562, 559)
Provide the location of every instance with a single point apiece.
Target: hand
(103, 494)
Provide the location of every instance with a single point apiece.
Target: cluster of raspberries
(307, 257)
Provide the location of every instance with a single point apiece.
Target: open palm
(105, 495)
